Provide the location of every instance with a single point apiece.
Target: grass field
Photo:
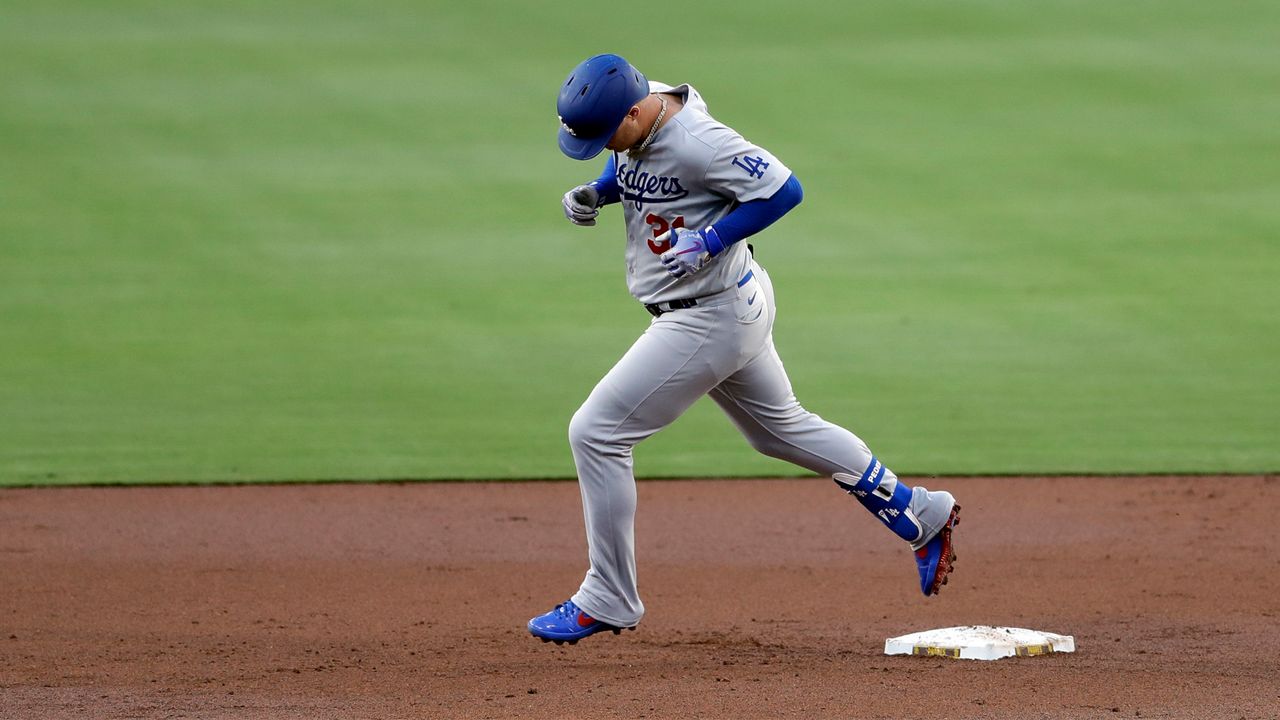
(262, 241)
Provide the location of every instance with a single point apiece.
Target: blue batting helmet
(593, 102)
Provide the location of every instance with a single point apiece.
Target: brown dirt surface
(766, 598)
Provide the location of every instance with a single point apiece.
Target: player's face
(628, 133)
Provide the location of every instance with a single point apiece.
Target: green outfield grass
(323, 240)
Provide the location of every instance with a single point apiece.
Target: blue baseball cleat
(937, 557)
(567, 623)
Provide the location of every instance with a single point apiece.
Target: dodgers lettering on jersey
(640, 187)
(694, 172)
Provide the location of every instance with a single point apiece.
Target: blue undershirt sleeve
(607, 184)
(750, 218)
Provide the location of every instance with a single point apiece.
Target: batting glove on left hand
(580, 205)
(690, 251)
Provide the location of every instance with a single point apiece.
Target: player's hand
(580, 205)
(688, 254)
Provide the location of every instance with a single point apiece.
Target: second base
(979, 642)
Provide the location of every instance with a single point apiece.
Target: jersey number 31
(660, 226)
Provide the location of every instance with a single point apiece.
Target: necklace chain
(653, 130)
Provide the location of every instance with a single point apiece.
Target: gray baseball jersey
(694, 172)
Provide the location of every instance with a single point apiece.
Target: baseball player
(691, 190)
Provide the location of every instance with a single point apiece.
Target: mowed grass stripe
(322, 241)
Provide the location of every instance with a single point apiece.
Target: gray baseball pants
(723, 348)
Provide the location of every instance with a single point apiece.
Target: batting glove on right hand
(690, 250)
(580, 205)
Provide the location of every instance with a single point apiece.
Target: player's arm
(763, 187)
(581, 204)
(607, 184)
(750, 218)
(691, 249)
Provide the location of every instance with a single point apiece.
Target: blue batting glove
(690, 251)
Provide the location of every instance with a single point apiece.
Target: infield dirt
(766, 598)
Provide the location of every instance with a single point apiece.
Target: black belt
(658, 309)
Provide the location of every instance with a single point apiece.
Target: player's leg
(667, 369)
(759, 400)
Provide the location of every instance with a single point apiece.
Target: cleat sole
(574, 641)
(948, 552)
